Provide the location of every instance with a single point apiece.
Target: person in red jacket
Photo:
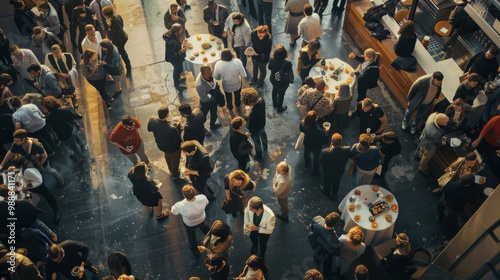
(126, 137)
(490, 148)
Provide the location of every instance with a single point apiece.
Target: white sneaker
(413, 130)
(403, 126)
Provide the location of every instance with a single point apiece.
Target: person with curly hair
(352, 246)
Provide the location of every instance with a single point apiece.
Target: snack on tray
(394, 208)
(357, 192)
(219, 42)
(357, 218)
(351, 207)
(331, 67)
(389, 198)
(198, 37)
(388, 218)
(374, 225)
(349, 80)
(212, 38)
(375, 188)
(191, 57)
(212, 53)
(206, 45)
(196, 53)
(202, 51)
(219, 47)
(371, 218)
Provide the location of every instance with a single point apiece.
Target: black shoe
(244, 3)
(253, 81)
(282, 109)
(281, 217)
(108, 104)
(187, 7)
(260, 84)
(425, 173)
(57, 217)
(275, 105)
(215, 126)
(116, 94)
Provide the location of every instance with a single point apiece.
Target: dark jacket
(275, 66)
(324, 242)
(209, 15)
(405, 45)
(173, 47)
(485, 68)
(456, 196)
(369, 77)
(25, 21)
(145, 190)
(467, 95)
(116, 32)
(395, 264)
(418, 91)
(62, 122)
(261, 47)
(458, 17)
(333, 160)
(240, 146)
(257, 118)
(314, 137)
(200, 161)
(195, 127)
(76, 22)
(463, 119)
(74, 254)
(167, 136)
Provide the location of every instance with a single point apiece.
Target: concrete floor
(97, 204)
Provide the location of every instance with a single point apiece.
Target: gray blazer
(418, 91)
(203, 88)
(208, 15)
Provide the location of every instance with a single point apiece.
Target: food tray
(378, 208)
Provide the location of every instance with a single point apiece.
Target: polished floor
(97, 204)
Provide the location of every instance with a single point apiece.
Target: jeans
(259, 239)
(260, 141)
(240, 53)
(173, 160)
(43, 191)
(265, 14)
(44, 136)
(420, 115)
(191, 232)
(48, 169)
(141, 153)
(278, 95)
(100, 85)
(259, 66)
(178, 69)
(210, 106)
(229, 99)
(364, 177)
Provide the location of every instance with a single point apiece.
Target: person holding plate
(215, 16)
(262, 43)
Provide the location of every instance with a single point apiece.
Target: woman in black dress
(314, 139)
(239, 188)
(281, 76)
(241, 148)
(216, 264)
(405, 44)
(147, 190)
(309, 56)
(339, 117)
(367, 71)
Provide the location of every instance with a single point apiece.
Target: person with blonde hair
(396, 261)
(239, 188)
(339, 117)
(255, 269)
(262, 43)
(352, 246)
(367, 71)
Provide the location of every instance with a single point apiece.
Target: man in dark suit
(455, 195)
(422, 94)
(333, 160)
(215, 16)
(325, 242)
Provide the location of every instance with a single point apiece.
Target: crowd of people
(37, 123)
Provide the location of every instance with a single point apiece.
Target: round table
(385, 229)
(330, 82)
(194, 65)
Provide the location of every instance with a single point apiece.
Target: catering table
(195, 64)
(385, 229)
(332, 84)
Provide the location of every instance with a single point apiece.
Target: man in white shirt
(93, 39)
(63, 65)
(310, 26)
(192, 210)
(21, 60)
(282, 185)
(259, 224)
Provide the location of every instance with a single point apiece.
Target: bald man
(205, 86)
(430, 139)
(282, 186)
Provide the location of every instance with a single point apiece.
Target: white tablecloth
(316, 72)
(373, 236)
(194, 65)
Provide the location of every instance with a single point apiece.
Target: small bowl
(352, 207)
(389, 198)
(394, 208)
(357, 218)
(375, 188)
(371, 218)
(388, 218)
(374, 225)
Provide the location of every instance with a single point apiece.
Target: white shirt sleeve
(33, 176)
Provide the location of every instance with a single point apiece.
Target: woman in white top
(352, 247)
(241, 32)
(230, 70)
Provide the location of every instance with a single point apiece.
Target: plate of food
(250, 51)
(374, 225)
(357, 192)
(375, 188)
(479, 179)
(488, 191)
(357, 218)
(388, 218)
(394, 208)
(389, 198)
(192, 57)
(371, 219)
(351, 207)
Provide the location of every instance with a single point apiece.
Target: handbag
(300, 141)
(304, 109)
(219, 97)
(225, 205)
(444, 179)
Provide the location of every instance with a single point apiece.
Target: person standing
(420, 97)
(45, 80)
(42, 40)
(361, 273)
(458, 19)
(336, 7)
(281, 188)
(262, 43)
(314, 138)
(147, 190)
(241, 148)
(339, 118)
(389, 147)
(281, 76)
(167, 139)
(92, 40)
(49, 19)
(333, 160)
(259, 224)
(255, 269)
(117, 34)
(24, 18)
(295, 10)
(175, 53)
(265, 10)
(215, 15)
(367, 159)
(206, 86)
(112, 64)
(309, 26)
(352, 247)
(80, 17)
(371, 116)
(489, 147)
(320, 7)
(485, 64)
(241, 32)
(198, 166)
(468, 89)
(324, 241)
(367, 71)
(313, 274)
(127, 138)
(309, 56)
(456, 194)
(175, 15)
(192, 210)
(96, 7)
(394, 265)
(256, 120)
(63, 257)
(430, 140)
(194, 129)
(218, 240)
(230, 70)
(405, 44)
(94, 72)
(63, 65)
(21, 60)
(239, 188)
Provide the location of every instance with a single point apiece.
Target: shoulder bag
(447, 177)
